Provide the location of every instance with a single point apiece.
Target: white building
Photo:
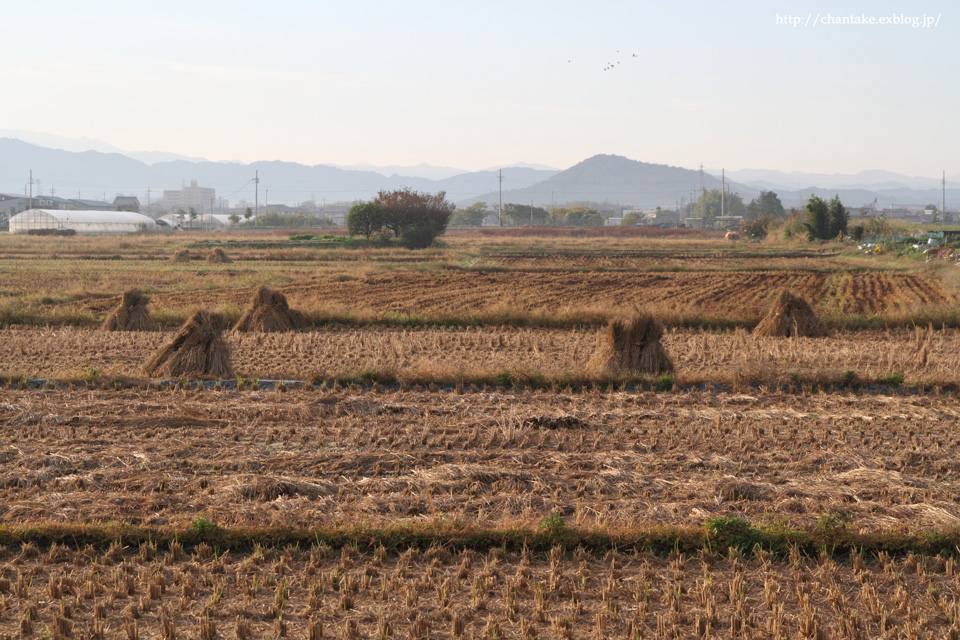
(81, 222)
(200, 198)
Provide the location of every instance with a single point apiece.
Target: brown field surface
(367, 593)
(608, 460)
(923, 357)
(373, 466)
(544, 282)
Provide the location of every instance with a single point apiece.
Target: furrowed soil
(456, 293)
(609, 460)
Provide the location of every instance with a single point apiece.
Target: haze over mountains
(95, 169)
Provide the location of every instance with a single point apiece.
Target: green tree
(757, 228)
(712, 202)
(193, 214)
(521, 214)
(817, 222)
(247, 213)
(838, 217)
(364, 219)
(632, 219)
(471, 216)
(416, 218)
(181, 214)
(234, 218)
(576, 216)
(767, 203)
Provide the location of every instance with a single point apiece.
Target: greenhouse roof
(93, 217)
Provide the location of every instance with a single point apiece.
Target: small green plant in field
(895, 379)
(504, 379)
(92, 376)
(795, 379)
(849, 377)
(732, 532)
(665, 383)
(834, 522)
(553, 524)
(202, 527)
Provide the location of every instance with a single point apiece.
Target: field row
(608, 460)
(921, 357)
(362, 293)
(312, 593)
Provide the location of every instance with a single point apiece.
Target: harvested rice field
(540, 295)
(920, 356)
(472, 280)
(350, 593)
(458, 474)
(609, 460)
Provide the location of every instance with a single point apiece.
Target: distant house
(11, 204)
(337, 213)
(127, 203)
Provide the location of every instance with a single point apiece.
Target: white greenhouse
(203, 222)
(81, 222)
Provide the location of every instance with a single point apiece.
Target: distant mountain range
(614, 179)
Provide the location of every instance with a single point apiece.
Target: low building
(81, 222)
(127, 203)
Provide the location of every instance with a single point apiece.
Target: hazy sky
(477, 84)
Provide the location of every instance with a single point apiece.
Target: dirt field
(457, 293)
(614, 460)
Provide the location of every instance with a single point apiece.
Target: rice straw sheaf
(131, 314)
(791, 316)
(631, 345)
(198, 349)
(181, 256)
(269, 312)
(217, 256)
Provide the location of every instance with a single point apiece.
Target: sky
(475, 85)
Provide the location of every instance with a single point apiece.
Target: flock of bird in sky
(611, 65)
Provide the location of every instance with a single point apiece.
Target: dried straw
(197, 349)
(269, 312)
(631, 345)
(217, 256)
(791, 316)
(181, 256)
(131, 314)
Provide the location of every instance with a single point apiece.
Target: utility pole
(256, 197)
(31, 190)
(531, 213)
(148, 200)
(500, 206)
(701, 189)
(266, 201)
(943, 196)
(723, 189)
